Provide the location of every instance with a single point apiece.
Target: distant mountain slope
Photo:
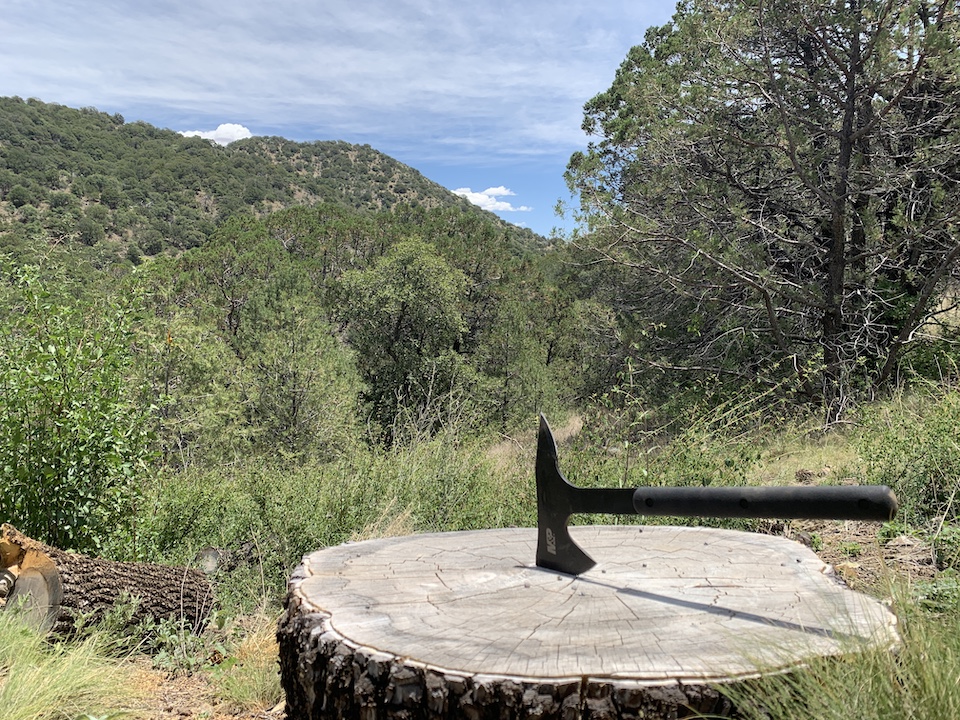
(87, 176)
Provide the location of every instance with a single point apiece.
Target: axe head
(556, 550)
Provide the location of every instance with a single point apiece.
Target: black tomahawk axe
(557, 500)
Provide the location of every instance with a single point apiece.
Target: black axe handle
(557, 499)
(840, 502)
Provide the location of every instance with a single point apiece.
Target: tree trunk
(58, 590)
(464, 625)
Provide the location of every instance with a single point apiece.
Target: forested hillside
(374, 292)
(83, 176)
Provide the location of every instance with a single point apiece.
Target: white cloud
(465, 80)
(487, 199)
(472, 90)
(225, 134)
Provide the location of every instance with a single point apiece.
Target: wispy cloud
(225, 133)
(493, 90)
(498, 79)
(487, 199)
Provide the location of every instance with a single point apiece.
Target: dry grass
(390, 523)
(789, 458)
(40, 681)
(250, 678)
(514, 454)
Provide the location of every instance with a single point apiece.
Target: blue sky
(484, 97)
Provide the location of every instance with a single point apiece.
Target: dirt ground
(859, 556)
(858, 552)
(186, 697)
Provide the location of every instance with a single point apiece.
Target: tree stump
(464, 625)
(55, 589)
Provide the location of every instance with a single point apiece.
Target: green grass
(918, 681)
(912, 443)
(41, 681)
(270, 515)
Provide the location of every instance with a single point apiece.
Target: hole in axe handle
(845, 502)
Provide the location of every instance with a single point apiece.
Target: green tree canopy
(404, 320)
(780, 178)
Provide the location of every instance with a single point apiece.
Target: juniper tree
(781, 178)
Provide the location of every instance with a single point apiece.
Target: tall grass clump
(249, 679)
(918, 680)
(39, 681)
(912, 444)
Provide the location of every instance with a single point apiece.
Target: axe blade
(556, 550)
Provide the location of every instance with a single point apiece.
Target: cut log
(56, 590)
(464, 625)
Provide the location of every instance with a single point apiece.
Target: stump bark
(463, 625)
(56, 589)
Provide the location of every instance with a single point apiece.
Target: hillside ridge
(84, 175)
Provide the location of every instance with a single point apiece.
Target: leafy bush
(20, 196)
(72, 441)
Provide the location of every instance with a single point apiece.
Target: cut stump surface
(447, 624)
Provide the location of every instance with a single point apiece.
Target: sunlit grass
(785, 454)
(920, 680)
(41, 681)
(249, 679)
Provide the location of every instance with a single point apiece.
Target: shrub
(19, 196)
(72, 441)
